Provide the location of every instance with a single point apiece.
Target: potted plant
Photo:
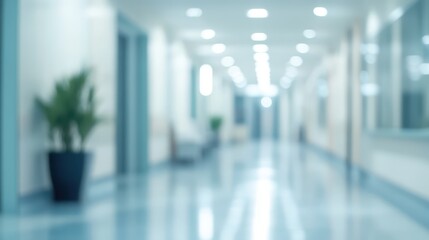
(71, 116)
(215, 126)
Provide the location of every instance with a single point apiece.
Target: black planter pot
(216, 139)
(67, 170)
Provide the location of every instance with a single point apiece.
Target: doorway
(9, 91)
(132, 102)
(122, 114)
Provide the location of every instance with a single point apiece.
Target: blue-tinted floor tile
(260, 191)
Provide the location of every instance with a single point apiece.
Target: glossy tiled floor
(253, 191)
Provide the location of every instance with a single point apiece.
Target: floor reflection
(258, 191)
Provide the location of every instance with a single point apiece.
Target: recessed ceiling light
(286, 82)
(266, 102)
(263, 71)
(206, 80)
(309, 33)
(218, 48)
(234, 71)
(238, 78)
(263, 76)
(370, 89)
(194, 12)
(296, 61)
(302, 48)
(257, 13)
(259, 37)
(208, 34)
(262, 64)
(260, 48)
(320, 11)
(261, 57)
(285, 85)
(228, 61)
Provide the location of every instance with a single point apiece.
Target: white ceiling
(285, 25)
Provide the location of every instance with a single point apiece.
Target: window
(395, 72)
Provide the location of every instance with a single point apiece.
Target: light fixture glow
(266, 102)
(257, 13)
(237, 76)
(206, 80)
(239, 79)
(396, 14)
(425, 39)
(208, 34)
(309, 33)
(194, 12)
(234, 71)
(259, 37)
(261, 57)
(255, 90)
(241, 84)
(286, 82)
(296, 61)
(264, 84)
(371, 48)
(370, 89)
(263, 75)
(228, 61)
(424, 68)
(205, 223)
(262, 64)
(99, 10)
(263, 70)
(218, 48)
(303, 48)
(320, 11)
(259, 48)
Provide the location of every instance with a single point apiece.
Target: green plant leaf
(71, 110)
(216, 123)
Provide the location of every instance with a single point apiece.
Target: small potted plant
(71, 116)
(215, 126)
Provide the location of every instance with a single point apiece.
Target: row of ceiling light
(208, 34)
(255, 12)
(261, 56)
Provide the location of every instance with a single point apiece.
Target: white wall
(52, 45)
(395, 155)
(58, 38)
(228, 126)
(316, 134)
(298, 99)
(102, 59)
(180, 90)
(159, 149)
(334, 137)
(399, 158)
(285, 116)
(337, 100)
